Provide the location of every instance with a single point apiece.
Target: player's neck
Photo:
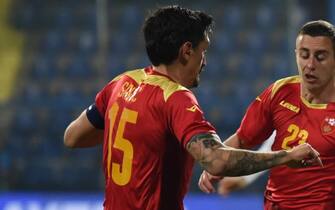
(319, 96)
(169, 70)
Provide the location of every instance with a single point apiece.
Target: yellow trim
(279, 83)
(294, 79)
(140, 76)
(168, 86)
(313, 106)
(136, 75)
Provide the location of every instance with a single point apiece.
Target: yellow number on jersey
(296, 132)
(120, 173)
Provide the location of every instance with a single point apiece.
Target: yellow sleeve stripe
(280, 83)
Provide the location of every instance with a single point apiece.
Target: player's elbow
(69, 138)
(67, 141)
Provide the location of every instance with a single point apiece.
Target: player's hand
(207, 181)
(303, 155)
(229, 184)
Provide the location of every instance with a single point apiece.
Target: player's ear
(185, 52)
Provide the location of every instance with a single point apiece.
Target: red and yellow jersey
(280, 107)
(148, 121)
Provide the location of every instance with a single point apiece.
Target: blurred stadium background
(56, 54)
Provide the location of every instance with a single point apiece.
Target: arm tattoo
(243, 162)
(201, 145)
(208, 140)
(214, 156)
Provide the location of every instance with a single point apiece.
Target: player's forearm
(221, 161)
(228, 162)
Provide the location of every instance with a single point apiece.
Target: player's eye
(320, 56)
(304, 54)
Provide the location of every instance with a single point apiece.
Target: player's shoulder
(135, 74)
(287, 83)
(167, 86)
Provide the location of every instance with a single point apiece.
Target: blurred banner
(82, 201)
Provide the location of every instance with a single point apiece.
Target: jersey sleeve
(185, 117)
(96, 112)
(101, 101)
(256, 125)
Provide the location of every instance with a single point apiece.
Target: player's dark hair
(168, 28)
(319, 28)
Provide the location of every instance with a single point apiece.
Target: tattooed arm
(219, 160)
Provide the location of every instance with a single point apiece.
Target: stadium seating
(62, 73)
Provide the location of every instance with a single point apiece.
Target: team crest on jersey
(328, 125)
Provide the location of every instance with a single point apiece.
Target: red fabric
(294, 120)
(160, 166)
(268, 205)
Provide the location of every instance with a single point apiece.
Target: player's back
(146, 167)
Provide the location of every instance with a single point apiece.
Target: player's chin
(196, 82)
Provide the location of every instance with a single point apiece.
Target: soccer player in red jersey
(301, 109)
(152, 127)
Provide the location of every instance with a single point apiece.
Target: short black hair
(319, 28)
(168, 28)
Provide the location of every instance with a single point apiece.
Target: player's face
(316, 62)
(196, 64)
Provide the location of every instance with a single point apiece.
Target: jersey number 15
(120, 173)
